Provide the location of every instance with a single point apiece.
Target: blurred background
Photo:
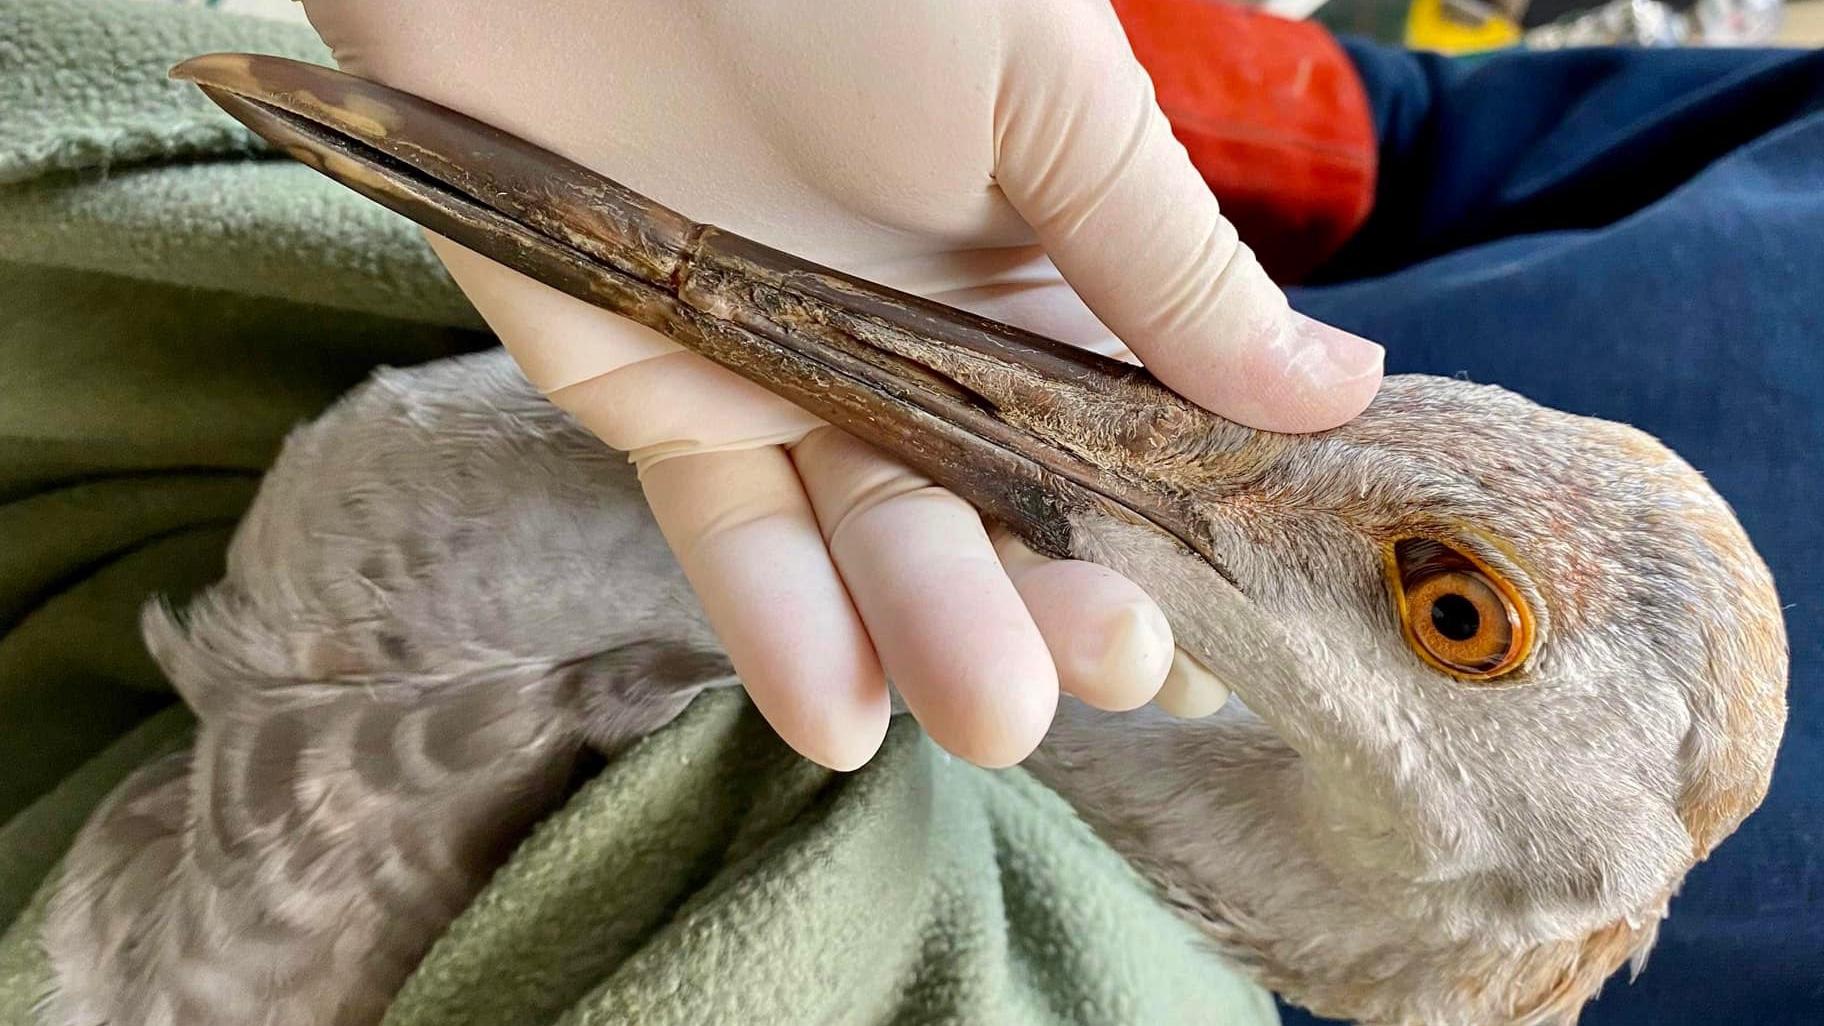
(1479, 26)
(1476, 26)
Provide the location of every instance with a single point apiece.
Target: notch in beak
(1033, 432)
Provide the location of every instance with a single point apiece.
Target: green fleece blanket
(172, 300)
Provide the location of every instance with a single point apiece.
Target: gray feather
(444, 590)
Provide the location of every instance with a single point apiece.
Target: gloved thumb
(1084, 153)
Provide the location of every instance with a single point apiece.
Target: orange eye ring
(1456, 612)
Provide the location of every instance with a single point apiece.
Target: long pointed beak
(1029, 430)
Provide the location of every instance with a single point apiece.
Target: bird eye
(1458, 614)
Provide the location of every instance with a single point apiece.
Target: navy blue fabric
(1639, 235)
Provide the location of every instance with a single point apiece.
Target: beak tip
(194, 69)
(232, 72)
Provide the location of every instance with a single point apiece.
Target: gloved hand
(944, 148)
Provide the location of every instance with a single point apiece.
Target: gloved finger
(1190, 690)
(679, 404)
(748, 541)
(557, 339)
(951, 631)
(1089, 160)
(1110, 641)
(631, 386)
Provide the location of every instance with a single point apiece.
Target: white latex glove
(942, 147)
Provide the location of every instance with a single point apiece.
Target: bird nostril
(1455, 617)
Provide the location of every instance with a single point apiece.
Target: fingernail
(1190, 691)
(1131, 654)
(1328, 357)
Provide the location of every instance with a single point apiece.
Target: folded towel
(172, 299)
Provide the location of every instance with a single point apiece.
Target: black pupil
(1455, 617)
